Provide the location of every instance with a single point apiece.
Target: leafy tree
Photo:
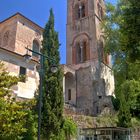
(11, 114)
(68, 131)
(31, 119)
(69, 128)
(122, 39)
(16, 118)
(52, 110)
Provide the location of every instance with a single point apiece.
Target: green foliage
(69, 128)
(116, 103)
(130, 29)
(68, 131)
(31, 120)
(122, 38)
(6, 81)
(14, 115)
(135, 122)
(11, 114)
(52, 110)
(106, 120)
(124, 116)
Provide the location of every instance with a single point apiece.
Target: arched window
(77, 12)
(81, 52)
(80, 11)
(78, 53)
(84, 51)
(35, 48)
(6, 38)
(83, 11)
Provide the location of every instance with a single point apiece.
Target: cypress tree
(52, 110)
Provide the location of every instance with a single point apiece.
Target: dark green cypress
(52, 110)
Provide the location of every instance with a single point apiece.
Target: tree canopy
(15, 116)
(122, 37)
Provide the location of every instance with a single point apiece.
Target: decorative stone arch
(70, 95)
(79, 9)
(6, 37)
(39, 42)
(81, 48)
(70, 76)
(67, 69)
(36, 45)
(81, 36)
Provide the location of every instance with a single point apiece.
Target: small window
(80, 11)
(84, 51)
(22, 74)
(81, 52)
(69, 94)
(95, 137)
(35, 48)
(78, 51)
(83, 13)
(100, 97)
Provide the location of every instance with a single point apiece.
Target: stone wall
(9, 27)
(84, 90)
(12, 63)
(21, 33)
(94, 85)
(25, 35)
(108, 76)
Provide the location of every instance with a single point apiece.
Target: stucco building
(88, 82)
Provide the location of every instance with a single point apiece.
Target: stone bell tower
(84, 35)
(89, 82)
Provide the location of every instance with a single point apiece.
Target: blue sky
(38, 11)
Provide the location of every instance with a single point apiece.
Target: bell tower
(89, 82)
(84, 35)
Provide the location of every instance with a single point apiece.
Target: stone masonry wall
(22, 32)
(11, 27)
(25, 35)
(12, 63)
